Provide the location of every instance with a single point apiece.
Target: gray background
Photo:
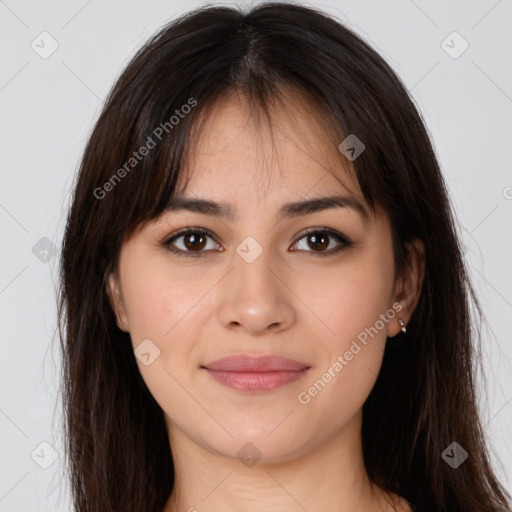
(48, 107)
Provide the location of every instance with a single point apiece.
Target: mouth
(250, 373)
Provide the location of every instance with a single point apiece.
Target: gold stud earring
(402, 325)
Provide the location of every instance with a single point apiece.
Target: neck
(331, 476)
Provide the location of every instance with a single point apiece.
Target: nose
(255, 297)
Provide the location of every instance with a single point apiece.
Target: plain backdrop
(48, 105)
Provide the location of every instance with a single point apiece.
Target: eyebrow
(288, 210)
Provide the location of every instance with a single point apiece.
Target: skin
(293, 303)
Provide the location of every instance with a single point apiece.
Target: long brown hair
(118, 450)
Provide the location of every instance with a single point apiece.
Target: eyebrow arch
(288, 210)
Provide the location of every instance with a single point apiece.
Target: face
(315, 287)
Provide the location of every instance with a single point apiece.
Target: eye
(194, 241)
(320, 239)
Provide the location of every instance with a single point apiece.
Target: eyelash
(344, 241)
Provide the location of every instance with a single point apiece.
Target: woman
(264, 304)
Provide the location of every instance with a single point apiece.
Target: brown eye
(190, 241)
(320, 239)
(194, 241)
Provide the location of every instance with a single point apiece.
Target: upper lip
(255, 363)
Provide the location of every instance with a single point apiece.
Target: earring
(402, 325)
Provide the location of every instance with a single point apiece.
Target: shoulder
(400, 504)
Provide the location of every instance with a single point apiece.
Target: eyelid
(345, 242)
(184, 231)
(324, 229)
(167, 242)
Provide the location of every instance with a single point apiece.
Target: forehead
(237, 152)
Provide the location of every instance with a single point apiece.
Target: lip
(255, 373)
(255, 363)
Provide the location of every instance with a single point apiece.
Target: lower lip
(256, 381)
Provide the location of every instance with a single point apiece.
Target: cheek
(168, 306)
(352, 297)
(157, 296)
(351, 302)
(149, 306)
(162, 307)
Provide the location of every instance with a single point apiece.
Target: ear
(408, 287)
(116, 301)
